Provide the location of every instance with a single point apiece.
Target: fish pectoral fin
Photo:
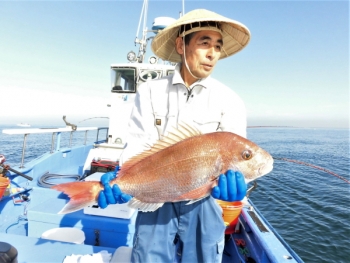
(143, 206)
(218, 165)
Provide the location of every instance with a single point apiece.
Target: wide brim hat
(235, 35)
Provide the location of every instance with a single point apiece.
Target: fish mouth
(265, 168)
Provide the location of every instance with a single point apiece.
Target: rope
(313, 166)
(43, 181)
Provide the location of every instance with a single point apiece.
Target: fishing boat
(31, 229)
(23, 125)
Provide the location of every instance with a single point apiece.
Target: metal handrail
(23, 149)
(53, 141)
(54, 131)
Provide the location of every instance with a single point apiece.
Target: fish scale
(176, 161)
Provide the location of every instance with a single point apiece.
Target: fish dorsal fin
(174, 136)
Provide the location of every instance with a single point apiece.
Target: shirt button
(185, 94)
(191, 96)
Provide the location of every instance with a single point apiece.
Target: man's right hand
(111, 195)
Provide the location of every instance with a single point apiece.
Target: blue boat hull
(22, 224)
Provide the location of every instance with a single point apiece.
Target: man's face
(202, 52)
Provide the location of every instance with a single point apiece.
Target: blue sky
(55, 58)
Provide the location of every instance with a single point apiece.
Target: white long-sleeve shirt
(160, 104)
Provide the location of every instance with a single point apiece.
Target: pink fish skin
(184, 165)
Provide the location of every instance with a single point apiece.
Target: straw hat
(235, 35)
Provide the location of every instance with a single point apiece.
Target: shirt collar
(177, 79)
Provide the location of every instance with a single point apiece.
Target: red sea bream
(184, 165)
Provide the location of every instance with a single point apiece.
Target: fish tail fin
(81, 194)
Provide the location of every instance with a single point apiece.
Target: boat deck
(35, 250)
(23, 223)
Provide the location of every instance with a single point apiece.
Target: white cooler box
(117, 210)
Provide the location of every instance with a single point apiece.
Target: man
(196, 41)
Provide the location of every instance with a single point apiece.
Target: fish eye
(247, 155)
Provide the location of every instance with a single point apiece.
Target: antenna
(143, 41)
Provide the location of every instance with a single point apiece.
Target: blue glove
(231, 187)
(111, 195)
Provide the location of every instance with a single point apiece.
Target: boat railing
(56, 132)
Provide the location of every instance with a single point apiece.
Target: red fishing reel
(2, 158)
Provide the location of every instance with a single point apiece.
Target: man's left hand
(231, 187)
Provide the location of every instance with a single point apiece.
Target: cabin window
(123, 80)
(150, 74)
(170, 72)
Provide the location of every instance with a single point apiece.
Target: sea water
(309, 208)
